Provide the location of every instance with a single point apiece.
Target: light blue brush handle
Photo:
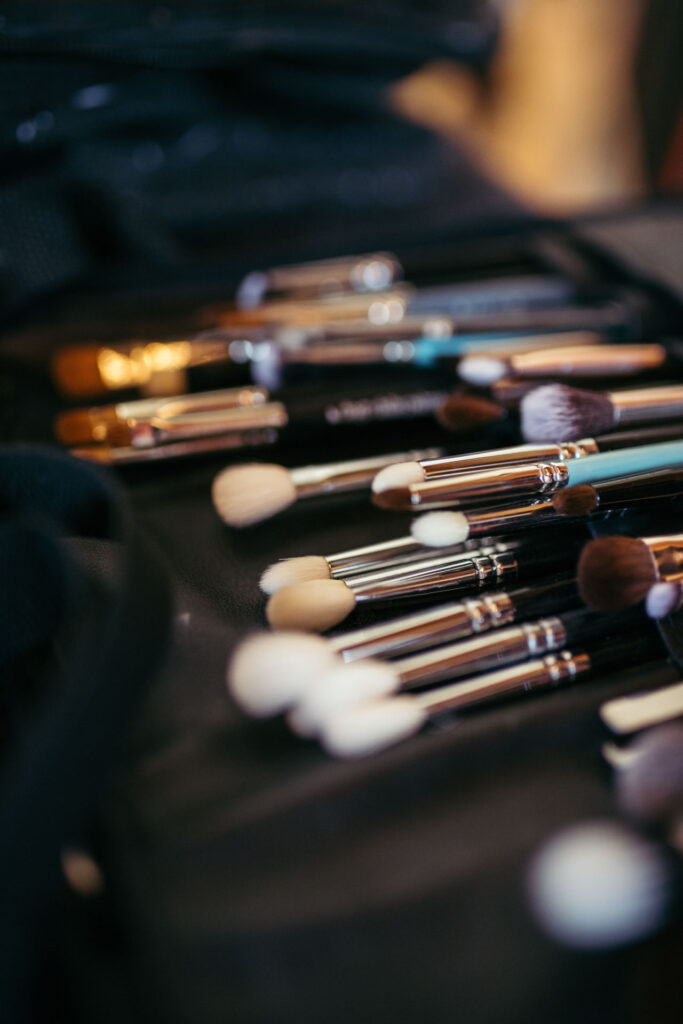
(624, 462)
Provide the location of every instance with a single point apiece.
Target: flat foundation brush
(320, 604)
(618, 572)
(345, 685)
(366, 728)
(471, 489)
(557, 410)
(247, 494)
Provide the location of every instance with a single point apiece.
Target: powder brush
(617, 572)
(557, 410)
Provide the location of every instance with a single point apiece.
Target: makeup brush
(468, 489)
(617, 572)
(369, 272)
(247, 494)
(663, 599)
(557, 410)
(320, 604)
(365, 728)
(625, 715)
(421, 470)
(343, 685)
(584, 359)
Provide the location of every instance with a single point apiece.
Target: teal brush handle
(624, 462)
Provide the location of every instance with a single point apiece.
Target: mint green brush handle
(625, 462)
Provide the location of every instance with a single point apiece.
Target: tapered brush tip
(364, 729)
(396, 499)
(464, 414)
(289, 571)
(243, 495)
(615, 573)
(76, 372)
(580, 500)
(314, 606)
(482, 370)
(557, 412)
(400, 474)
(268, 672)
(440, 529)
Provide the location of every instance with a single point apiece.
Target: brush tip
(400, 474)
(557, 412)
(340, 687)
(289, 571)
(268, 672)
(615, 573)
(464, 414)
(396, 499)
(481, 371)
(580, 500)
(314, 606)
(663, 599)
(440, 529)
(248, 494)
(363, 729)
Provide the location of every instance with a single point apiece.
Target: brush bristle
(314, 606)
(615, 573)
(268, 672)
(440, 529)
(463, 414)
(248, 494)
(663, 599)
(290, 571)
(482, 370)
(75, 371)
(401, 474)
(579, 500)
(396, 499)
(363, 729)
(557, 412)
(341, 687)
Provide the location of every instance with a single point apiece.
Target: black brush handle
(544, 599)
(561, 554)
(583, 625)
(641, 489)
(632, 438)
(626, 651)
(361, 406)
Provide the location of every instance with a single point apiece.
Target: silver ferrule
(426, 629)
(127, 454)
(551, 670)
(647, 405)
(430, 559)
(510, 518)
(175, 405)
(350, 475)
(204, 423)
(512, 456)
(667, 555)
(589, 360)
(481, 653)
(473, 488)
(389, 555)
(429, 578)
(371, 272)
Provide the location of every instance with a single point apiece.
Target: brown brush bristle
(75, 371)
(463, 414)
(579, 500)
(395, 499)
(615, 573)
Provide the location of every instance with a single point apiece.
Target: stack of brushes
(535, 598)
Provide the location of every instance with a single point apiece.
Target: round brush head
(482, 370)
(615, 573)
(341, 687)
(557, 412)
(314, 606)
(363, 729)
(464, 414)
(440, 529)
(289, 571)
(243, 495)
(401, 474)
(268, 672)
(580, 500)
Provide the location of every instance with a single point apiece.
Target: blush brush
(557, 410)
(617, 572)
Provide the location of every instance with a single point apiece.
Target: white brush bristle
(268, 672)
(363, 729)
(243, 495)
(662, 599)
(314, 606)
(341, 687)
(289, 571)
(440, 529)
(481, 370)
(401, 474)
(599, 885)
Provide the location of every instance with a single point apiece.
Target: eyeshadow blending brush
(320, 604)
(582, 360)
(365, 728)
(557, 410)
(247, 494)
(420, 470)
(617, 572)
(344, 685)
(468, 489)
